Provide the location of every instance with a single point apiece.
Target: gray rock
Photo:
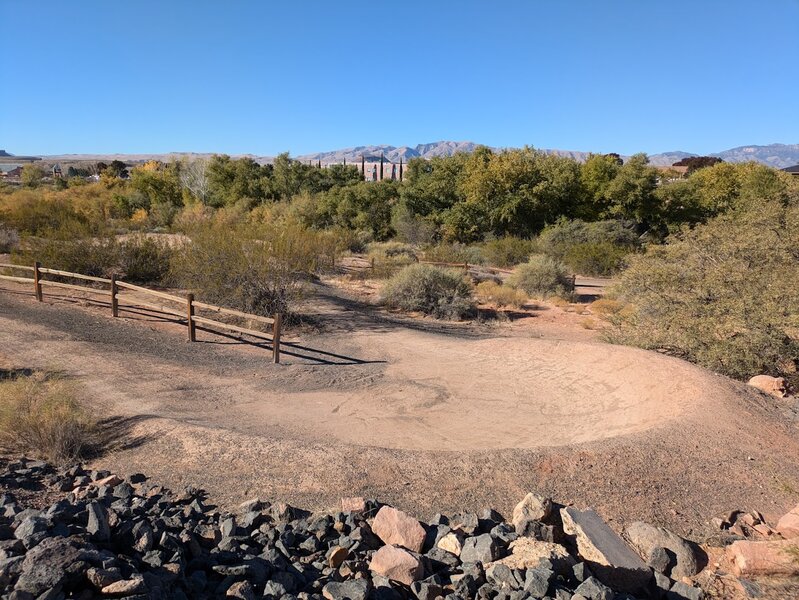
(10, 568)
(97, 525)
(426, 591)
(502, 577)
(612, 561)
(660, 560)
(537, 581)
(645, 538)
(54, 562)
(354, 589)
(30, 525)
(482, 548)
(682, 591)
(593, 589)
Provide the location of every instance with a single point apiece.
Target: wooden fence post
(37, 286)
(276, 339)
(190, 315)
(114, 291)
(373, 262)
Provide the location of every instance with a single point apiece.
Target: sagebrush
(441, 293)
(542, 276)
(723, 295)
(41, 414)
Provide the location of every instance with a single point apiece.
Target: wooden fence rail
(187, 311)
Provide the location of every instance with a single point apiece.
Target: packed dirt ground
(424, 415)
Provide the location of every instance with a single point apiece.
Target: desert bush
(490, 292)
(507, 251)
(411, 228)
(144, 260)
(98, 257)
(42, 415)
(542, 276)
(596, 258)
(442, 293)
(606, 306)
(454, 253)
(723, 295)
(253, 269)
(9, 240)
(392, 250)
(597, 248)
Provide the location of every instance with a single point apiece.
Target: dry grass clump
(606, 306)
(490, 292)
(40, 414)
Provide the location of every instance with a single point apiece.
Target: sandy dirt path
(427, 420)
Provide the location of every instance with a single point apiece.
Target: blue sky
(265, 77)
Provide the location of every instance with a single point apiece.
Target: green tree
(31, 176)
(596, 174)
(632, 192)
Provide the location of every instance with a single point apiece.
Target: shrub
(606, 306)
(723, 295)
(89, 256)
(599, 259)
(9, 240)
(42, 415)
(542, 276)
(597, 248)
(454, 253)
(253, 269)
(442, 293)
(499, 295)
(144, 260)
(507, 251)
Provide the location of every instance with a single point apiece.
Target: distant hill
(774, 155)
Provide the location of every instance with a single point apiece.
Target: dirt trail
(438, 420)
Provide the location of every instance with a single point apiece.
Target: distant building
(14, 173)
(794, 170)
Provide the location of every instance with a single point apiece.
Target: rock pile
(109, 537)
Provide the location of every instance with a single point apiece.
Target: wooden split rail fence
(188, 304)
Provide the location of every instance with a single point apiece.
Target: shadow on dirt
(114, 435)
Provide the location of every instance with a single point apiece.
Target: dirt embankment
(452, 418)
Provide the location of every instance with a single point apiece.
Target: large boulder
(611, 560)
(684, 555)
(788, 525)
(753, 559)
(775, 386)
(55, 562)
(395, 527)
(396, 564)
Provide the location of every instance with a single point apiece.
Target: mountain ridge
(776, 155)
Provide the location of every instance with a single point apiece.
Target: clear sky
(263, 77)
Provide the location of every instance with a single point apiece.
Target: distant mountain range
(774, 155)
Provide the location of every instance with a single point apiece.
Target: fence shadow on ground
(301, 351)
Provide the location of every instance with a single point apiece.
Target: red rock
(336, 556)
(396, 564)
(788, 525)
(395, 527)
(110, 481)
(355, 504)
(750, 559)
